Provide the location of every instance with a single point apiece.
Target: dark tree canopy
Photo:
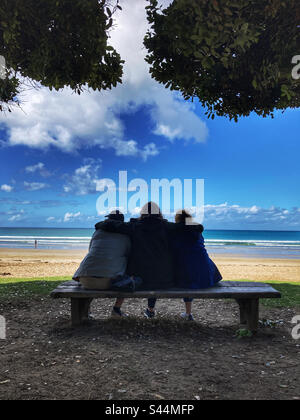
(234, 55)
(58, 43)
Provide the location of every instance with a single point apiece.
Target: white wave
(84, 240)
(251, 241)
(46, 237)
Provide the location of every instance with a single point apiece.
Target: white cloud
(35, 186)
(6, 188)
(34, 168)
(39, 167)
(254, 209)
(71, 122)
(131, 148)
(16, 216)
(70, 217)
(52, 219)
(136, 211)
(238, 216)
(83, 180)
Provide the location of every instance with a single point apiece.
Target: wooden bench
(246, 294)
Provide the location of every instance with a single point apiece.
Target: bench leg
(80, 311)
(243, 315)
(249, 312)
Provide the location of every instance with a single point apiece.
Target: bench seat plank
(234, 290)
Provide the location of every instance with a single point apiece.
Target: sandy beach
(53, 263)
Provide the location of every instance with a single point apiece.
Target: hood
(99, 225)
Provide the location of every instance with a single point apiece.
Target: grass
(290, 293)
(19, 288)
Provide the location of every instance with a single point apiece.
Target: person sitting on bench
(107, 259)
(151, 257)
(193, 267)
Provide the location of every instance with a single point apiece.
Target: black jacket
(151, 256)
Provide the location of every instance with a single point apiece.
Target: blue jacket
(193, 267)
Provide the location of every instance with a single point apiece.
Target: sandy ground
(43, 358)
(137, 359)
(50, 263)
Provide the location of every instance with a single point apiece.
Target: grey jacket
(107, 257)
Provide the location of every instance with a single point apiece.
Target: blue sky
(53, 150)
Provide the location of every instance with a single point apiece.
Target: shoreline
(275, 252)
(31, 263)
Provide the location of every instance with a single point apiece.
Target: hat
(116, 215)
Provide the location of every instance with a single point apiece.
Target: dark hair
(182, 215)
(116, 215)
(151, 210)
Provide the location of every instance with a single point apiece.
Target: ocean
(267, 244)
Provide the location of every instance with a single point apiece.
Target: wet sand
(56, 263)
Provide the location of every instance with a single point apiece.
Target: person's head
(151, 210)
(116, 215)
(182, 216)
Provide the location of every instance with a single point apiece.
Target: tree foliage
(58, 43)
(235, 56)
